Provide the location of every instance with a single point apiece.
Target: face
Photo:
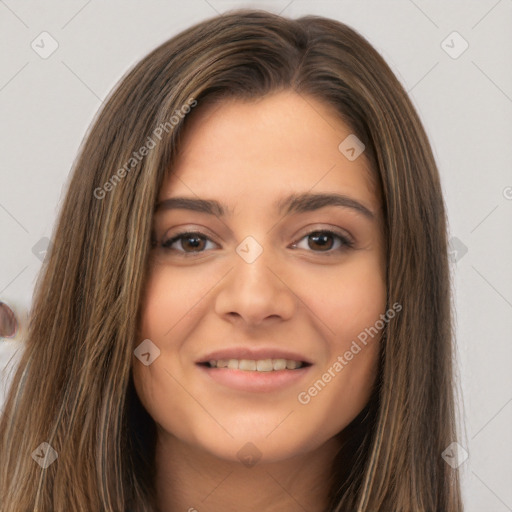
(258, 298)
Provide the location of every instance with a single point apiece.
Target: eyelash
(346, 243)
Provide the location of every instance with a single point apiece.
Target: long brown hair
(74, 388)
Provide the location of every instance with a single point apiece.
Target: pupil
(196, 241)
(320, 239)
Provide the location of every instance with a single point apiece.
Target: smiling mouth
(259, 365)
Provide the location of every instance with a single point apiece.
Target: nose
(257, 292)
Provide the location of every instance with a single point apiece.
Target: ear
(8, 321)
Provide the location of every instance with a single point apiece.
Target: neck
(189, 480)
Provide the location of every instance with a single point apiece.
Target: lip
(253, 381)
(255, 354)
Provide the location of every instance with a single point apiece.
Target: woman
(247, 304)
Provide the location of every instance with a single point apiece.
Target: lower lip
(262, 382)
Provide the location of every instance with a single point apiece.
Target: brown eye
(188, 242)
(320, 240)
(325, 241)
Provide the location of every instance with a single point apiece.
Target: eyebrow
(294, 203)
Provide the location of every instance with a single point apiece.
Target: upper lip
(254, 354)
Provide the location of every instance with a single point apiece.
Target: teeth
(264, 365)
(291, 365)
(246, 364)
(261, 365)
(279, 364)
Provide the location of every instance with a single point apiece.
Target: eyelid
(342, 233)
(189, 229)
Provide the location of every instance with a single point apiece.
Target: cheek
(350, 306)
(172, 306)
(351, 299)
(162, 308)
(171, 296)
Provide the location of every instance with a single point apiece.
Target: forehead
(248, 152)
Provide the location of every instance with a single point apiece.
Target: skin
(246, 155)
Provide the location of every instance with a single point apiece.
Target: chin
(251, 447)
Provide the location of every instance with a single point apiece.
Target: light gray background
(465, 103)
